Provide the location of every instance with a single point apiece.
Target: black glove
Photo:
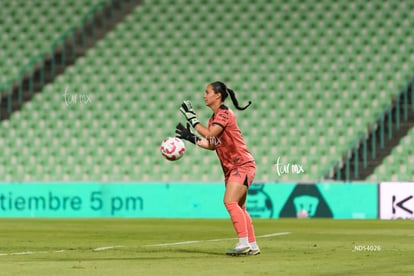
(185, 133)
(187, 109)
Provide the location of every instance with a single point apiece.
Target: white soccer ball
(172, 148)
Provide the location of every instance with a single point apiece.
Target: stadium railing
(61, 49)
(366, 146)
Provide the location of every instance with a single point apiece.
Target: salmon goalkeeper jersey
(230, 146)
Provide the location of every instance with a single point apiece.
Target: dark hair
(221, 88)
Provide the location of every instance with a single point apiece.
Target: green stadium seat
(311, 96)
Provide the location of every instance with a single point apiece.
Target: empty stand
(398, 166)
(318, 73)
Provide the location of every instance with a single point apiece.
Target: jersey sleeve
(221, 118)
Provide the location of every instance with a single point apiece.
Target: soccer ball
(172, 148)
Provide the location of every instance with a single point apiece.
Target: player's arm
(205, 144)
(213, 131)
(210, 135)
(186, 134)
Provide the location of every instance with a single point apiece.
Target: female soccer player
(223, 135)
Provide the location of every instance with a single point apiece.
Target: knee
(233, 204)
(228, 201)
(230, 205)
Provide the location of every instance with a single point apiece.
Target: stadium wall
(204, 200)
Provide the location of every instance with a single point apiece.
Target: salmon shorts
(243, 174)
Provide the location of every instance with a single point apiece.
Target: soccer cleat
(255, 251)
(239, 250)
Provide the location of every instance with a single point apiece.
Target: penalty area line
(30, 253)
(273, 235)
(172, 243)
(108, 247)
(213, 240)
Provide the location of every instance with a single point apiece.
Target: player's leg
(249, 173)
(250, 228)
(235, 192)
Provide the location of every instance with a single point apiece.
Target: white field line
(30, 252)
(274, 235)
(153, 245)
(108, 247)
(172, 243)
(24, 253)
(215, 240)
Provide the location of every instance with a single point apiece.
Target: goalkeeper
(223, 135)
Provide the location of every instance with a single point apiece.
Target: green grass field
(197, 247)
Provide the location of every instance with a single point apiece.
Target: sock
(244, 240)
(238, 219)
(249, 225)
(253, 245)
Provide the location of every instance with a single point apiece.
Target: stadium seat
(32, 27)
(312, 96)
(398, 165)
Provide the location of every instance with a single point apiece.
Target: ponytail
(235, 101)
(221, 88)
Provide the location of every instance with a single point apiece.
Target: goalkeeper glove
(187, 109)
(186, 134)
